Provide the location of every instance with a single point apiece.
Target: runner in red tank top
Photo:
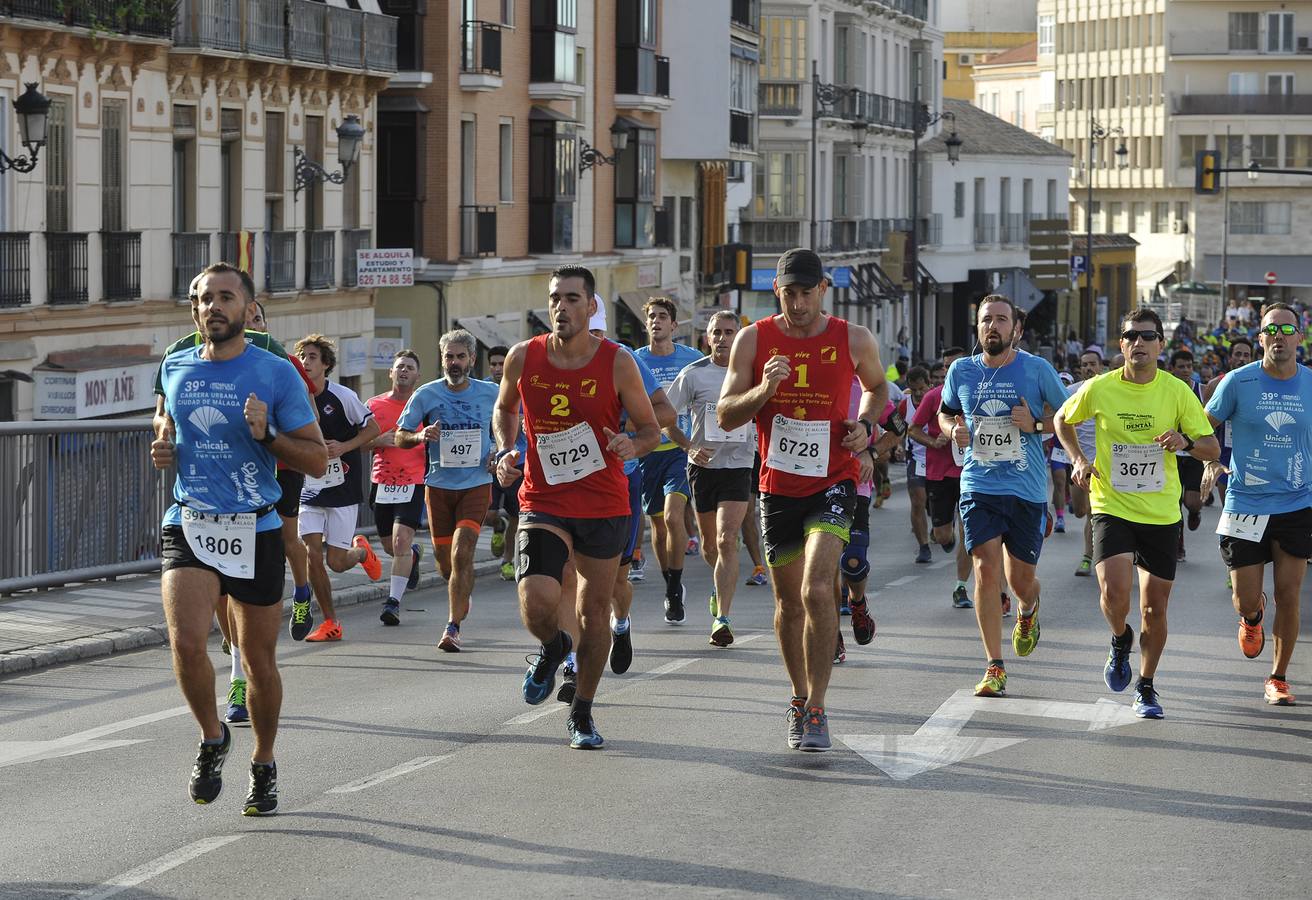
(575, 499)
(793, 374)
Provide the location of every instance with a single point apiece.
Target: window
(4, 147)
(1280, 83)
(552, 43)
(780, 185)
(742, 84)
(1018, 112)
(1234, 150)
(1182, 213)
(508, 12)
(685, 223)
(784, 56)
(1243, 83)
(314, 193)
(230, 171)
(1280, 32)
(1139, 217)
(959, 200)
(506, 153)
(1264, 150)
(1046, 34)
(56, 164)
(1053, 212)
(1298, 151)
(842, 65)
(635, 191)
(1244, 30)
(273, 170)
(184, 168)
(113, 114)
(1190, 144)
(1115, 219)
(1161, 217)
(1272, 217)
(552, 184)
(840, 186)
(1027, 200)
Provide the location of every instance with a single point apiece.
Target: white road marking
(15, 752)
(168, 861)
(404, 768)
(898, 582)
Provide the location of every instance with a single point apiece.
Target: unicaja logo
(1279, 419)
(206, 417)
(994, 408)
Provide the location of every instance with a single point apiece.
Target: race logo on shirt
(588, 387)
(828, 354)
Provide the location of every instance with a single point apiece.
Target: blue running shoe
(1117, 670)
(237, 713)
(416, 554)
(583, 736)
(540, 679)
(1146, 705)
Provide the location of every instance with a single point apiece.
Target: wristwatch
(870, 428)
(1038, 426)
(270, 434)
(1188, 443)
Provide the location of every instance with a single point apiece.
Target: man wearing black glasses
(1267, 517)
(1142, 416)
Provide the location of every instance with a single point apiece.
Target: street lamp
(825, 100)
(1254, 170)
(350, 134)
(590, 156)
(923, 120)
(1097, 132)
(33, 111)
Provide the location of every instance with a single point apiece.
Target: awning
(1153, 272)
(1295, 271)
(550, 115)
(94, 381)
(539, 320)
(632, 301)
(486, 330)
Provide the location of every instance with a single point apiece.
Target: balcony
(917, 10)
(191, 253)
(1221, 44)
(781, 98)
(931, 230)
(151, 19)
(642, 80)
(875, 110)
(230, 247)
(837, 236)
(742, 134)
(319, 272)
(1015, 230)
(120, 255)
(66, 268)
(279, 261)
(986, 229)
(553, 65)
(353, 239)
(478, 231)
(769, 236)
(1241, 104)
(15, 282)
(320, 34)
(746, 14)
(480, 56)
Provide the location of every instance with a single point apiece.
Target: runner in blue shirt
(229, 410)
(1267, 516)
(993, 405)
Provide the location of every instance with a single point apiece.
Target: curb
(139, 637)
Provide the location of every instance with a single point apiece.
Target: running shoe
(721, 633)
(225, 647)
(541, 675)
(621, 650)
(1006, 605)
(207, 774)
(328, 630)
(1025, 636)
(1277, 692)
(714, 606)
(583, 735)
(1116, 673)
(840, 650)
(794, 714)
(993, 684)
(372, 567)
(237, 713)
(1060, 525)
(569, 684)
(498, 543)
(416, 554)
(757, 578)
(262, 798)
(1146, 705)
(950, 545)
(845, 609)
(815, 731)
(1195, 519)
(302, 620)
(507, 571)
(885, 490)
(391, 614)
(637, 569)
(1252, 638)
(450, 641)
(961, 598)
(863, 624)
(694, 547)
(924, 556)
(1085, 566)
(674, 614)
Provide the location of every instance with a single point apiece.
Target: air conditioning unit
(1179, 227)
(965, 59)
(1305, 45)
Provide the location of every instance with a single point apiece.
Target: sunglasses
(1147, 334)
(1280, 329)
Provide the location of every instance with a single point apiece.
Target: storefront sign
(354, 356)
(649, 275)
(98, 392)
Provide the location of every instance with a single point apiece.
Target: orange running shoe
(372, 567)
(328, 630)
(1277, 692)
(1251, 637)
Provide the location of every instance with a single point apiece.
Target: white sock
(237, 671)
(570, 660)
(398, 586)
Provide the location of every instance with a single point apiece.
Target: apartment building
(1010, 86)
(174, 133)
(516, 137)
(836, 175)
(975, 32)
(1166, 80)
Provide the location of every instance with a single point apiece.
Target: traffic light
(1205, 166)
(741, 276)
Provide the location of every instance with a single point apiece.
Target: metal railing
(230, 247)
(209, 23)
(478, 231)
(309, 21)
(15, 277)
(1241, 104)
(280, 260)
(662, 76)
(66, 268)
(191, 253)
(740, 130)
(60, 513)
(353, 239)
(837, 236)
(931, 230)
(380, 43)
(265, 27)
(321, 246)
(985, 229)
(780, 98)
(480, 47)
(746, 13)
(149, 18)
(120, 254)
(767, 236)
(345, 34)
(1014, 228)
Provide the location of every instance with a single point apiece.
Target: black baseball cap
(799, 266)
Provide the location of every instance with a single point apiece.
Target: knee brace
(539, 552)
(855, 565)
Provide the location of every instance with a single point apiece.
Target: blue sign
(1079, 265)
(841, 276)
(763, 279)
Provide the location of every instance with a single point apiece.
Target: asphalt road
(407, 772)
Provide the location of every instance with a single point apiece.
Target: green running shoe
(715, 606)
(1025, 636)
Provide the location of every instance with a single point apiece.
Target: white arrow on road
(13, 753)
(937, 742)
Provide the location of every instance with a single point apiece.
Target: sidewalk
(44, 628)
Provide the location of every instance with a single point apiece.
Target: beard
(456, 375)
(221, 333)
(995, 346)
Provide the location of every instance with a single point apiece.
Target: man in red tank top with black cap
(793, 374)
(574, 503)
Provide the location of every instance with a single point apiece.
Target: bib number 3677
(224, 542)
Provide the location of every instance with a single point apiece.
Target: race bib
(799, 448)
(715, 434)
(460, 448)
(334, 476)
(1244, 527)
(958, 454)
(394, 493)
(1138, 468)
(224, 542)
(1059, 455)
(997, 439)
(570, 454)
